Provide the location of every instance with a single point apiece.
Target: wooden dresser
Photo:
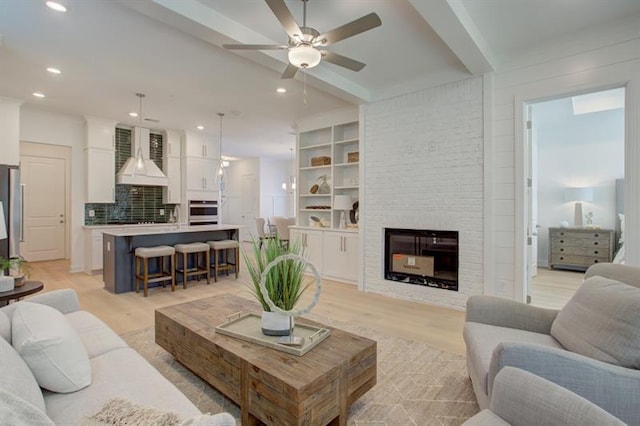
(579, 248)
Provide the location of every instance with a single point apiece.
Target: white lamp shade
(578, 194)
(342, 202)
(304, 56)
(3, 223)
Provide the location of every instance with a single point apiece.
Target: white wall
(423, 169)
(58, 129)
(606, 67)
(273, 200)
(584, 150)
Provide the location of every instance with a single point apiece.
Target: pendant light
(220, 173)
(140, 166)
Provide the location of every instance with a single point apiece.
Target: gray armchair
(590, 347)
(520, 398)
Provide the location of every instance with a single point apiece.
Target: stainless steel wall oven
(203, 212)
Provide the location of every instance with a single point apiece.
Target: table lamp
(344, 203)
(578, 195)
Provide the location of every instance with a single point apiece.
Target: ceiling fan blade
(254, 47)
(358, 26)
(342, 61)
(290, 71)
(285, 17)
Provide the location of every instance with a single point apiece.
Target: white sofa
(116, 371)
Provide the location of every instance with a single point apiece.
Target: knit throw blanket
(121, 412)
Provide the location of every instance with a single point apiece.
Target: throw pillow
(602, 321)
(16, 378)
(50, 347)
(5, 327)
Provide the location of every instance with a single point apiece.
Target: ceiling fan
(306, 46)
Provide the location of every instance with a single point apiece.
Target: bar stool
(143, 254)
(198, 249)
(227, 247)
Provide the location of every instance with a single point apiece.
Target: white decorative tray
(249, 327)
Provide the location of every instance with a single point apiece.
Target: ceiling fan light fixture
(304, 56)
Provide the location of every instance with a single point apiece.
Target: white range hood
(139, 169)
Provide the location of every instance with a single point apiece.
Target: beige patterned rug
(417, 385)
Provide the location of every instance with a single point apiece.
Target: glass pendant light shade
(304, 56)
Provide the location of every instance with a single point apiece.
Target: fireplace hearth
(422, 257)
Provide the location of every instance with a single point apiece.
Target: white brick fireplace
(423, 169)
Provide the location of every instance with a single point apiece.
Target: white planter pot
(276, 324)
(6, 283)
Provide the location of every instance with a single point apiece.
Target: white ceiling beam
(452, 22)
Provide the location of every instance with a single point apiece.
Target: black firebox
(423, 257)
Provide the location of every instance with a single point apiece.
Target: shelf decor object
(344, 204)
(320, 161)
(353, 157)
(578, 195)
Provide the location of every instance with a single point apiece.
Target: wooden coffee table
(270, 386)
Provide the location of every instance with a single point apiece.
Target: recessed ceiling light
(38, 94)
(54, 70)
(56, 6)
(281, 90)
(200, 127)
(133, 114)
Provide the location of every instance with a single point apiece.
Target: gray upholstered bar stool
(226, 248)
(200, 261)
(143, 254)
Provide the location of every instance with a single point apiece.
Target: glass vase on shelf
(324, 186)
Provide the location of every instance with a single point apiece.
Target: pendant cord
(304, 85)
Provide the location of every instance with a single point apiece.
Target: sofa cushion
(96, 336)
(123, 373)
(50, 347)
(16, 411)
(482, 339)
(17, 378)
(602, 321)
(5, 327)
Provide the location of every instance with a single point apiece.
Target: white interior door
(249, 204)
(44, 208)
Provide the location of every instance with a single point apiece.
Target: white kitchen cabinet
(201, 146)
(201, 179)
(172, 144)
(93, 247)
(100, 160)
(172, 167)
(311, 242)
(340, 255)
(100, 175)
(100, 133)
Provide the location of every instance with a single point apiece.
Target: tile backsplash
(133, 204)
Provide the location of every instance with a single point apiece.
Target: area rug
(417, 384)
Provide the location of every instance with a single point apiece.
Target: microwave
(203, 212)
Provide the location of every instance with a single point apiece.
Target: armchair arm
(65, 300)
(613, 388)
(509, 313)
(522, 398)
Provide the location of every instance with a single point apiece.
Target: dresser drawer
(588, 233)
(581, 241)
(570, 259)
(580, 251)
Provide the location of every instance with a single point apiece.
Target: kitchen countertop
(132, 225)
(175, 229)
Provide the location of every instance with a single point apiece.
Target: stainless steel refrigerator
(11, 195)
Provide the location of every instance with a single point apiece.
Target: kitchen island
(119, 246)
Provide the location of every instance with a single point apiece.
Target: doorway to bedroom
(576, 205)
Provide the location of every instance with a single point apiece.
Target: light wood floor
(435, 326)
(552, 288)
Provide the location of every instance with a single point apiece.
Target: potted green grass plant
(12, 272)
(284, 281)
